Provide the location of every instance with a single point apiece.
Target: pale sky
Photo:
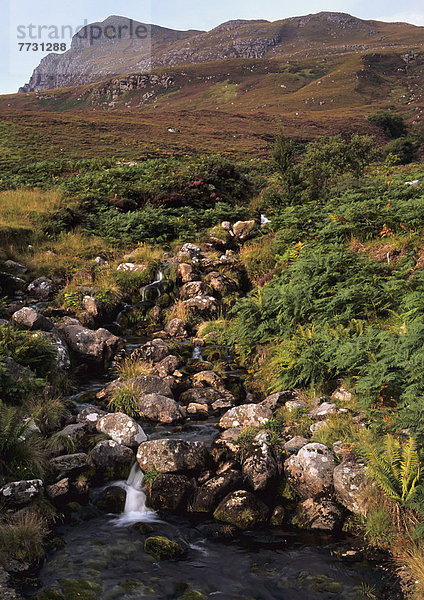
(16, 67)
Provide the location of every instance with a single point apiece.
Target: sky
(16, 66)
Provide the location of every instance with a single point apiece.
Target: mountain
(112, 47)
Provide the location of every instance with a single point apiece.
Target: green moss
(81, 589)
(130, 585)
(143, 528)
(161, 547)
(50, 594)
(192, 595)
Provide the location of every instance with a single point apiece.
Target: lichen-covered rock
(278, 516)
(93, 306)
(170, 492)
(209, 494)
(220, 283)
(90, 415)
(186, 272)
(63, 359)
(275, 401)
(190, 250)
(310, 471)
(58, 489)
(121, 428)
(176, 328)
(41, 288)
(351, 482)
(193, 289)
(162, 548)
(292, 405)
(260, 467)
(295, 444)
(206, 395)
(20, 493)
(202, 305)
(99, 346)
(323, 410)
(206, 379)
(243, 229)
(199, 411)
(319, 514)
(153, 351)
(172, 456)
(29, 318)
(242, 509)
(168, 365)
(247, 415)
(142, 385)
(158, 409)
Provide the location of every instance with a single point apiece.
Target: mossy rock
(163, 301)
(50, 594)
(162, 548)
(192, 595)
(112, 500)
(81, 589)
(131, 585)
(143, 528)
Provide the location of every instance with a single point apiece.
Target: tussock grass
(128, 367)
(22, 535)
(25, 207)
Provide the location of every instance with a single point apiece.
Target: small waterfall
(264, 220)
(197, 353)
(154, 285)
(135, 504)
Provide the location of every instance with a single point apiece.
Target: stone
(168, 365)
(190, 250)
(323, 410)
(319, 514)
(57, 490)
(15, 267)
(198, 410)
(172, 456)
(90, 415)
(93, 306)
(243, 229)
(210, 493)
(68, 465)
(351, 482)
(111, 499)
(278, 516)
(170, 492)
(310, 471)
(176, 328)
(193, 289)
(222, 284)
(41, 288)
(113, 459)
(219, 405)
(132, 267)
(142, 385)
(122, 429)
(185, 272)
(342, 394)
(206, 396)
(247, 415)
(153, 351)
(162, 548)
(260, 467)
(202, 305)
(295, 444)
(319, 425)
(99, 346)
(292, 405)
(206, 379)
(28, 318)
(226, 225)
(242, 509)
(277, 400)
(158, 409)
(63, 359)
(76, 433)
(20, 493)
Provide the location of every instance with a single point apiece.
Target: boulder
(158, 409)
(111, 459)
(295, 444)
(111, 499)
(20, 493)
(41, 288)
(206, 396)
(278, 516)
(68, 464)
(243, 229)
(277, 400)
(200, 411)
(260, 467)
(153, 351)
(310, 471)
(58, 490)
(190, 250)
(90, 415)
(162, 548)
(170, 492)
(206, 379)
(193, 289)
(242, 509)
(220, 283)
(319, 514)
(342, 394)
(63, 359)
(323, 410)
(142, 385)
(76, 433)
(15, 267)
(247, 415)
(292, 405)
(28, 318)
(209, 494)
(93, 306)
(351, 482)
(168, 366)
(185, 272)
(202, 305)
(121, 428)
(176, 328)
(99, 346)
(172, 456)
(132, 267)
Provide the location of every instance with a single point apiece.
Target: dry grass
(22, 535)
(179, 310)
(411, 567)
(128, 367)
(24, 207)
(144, 254)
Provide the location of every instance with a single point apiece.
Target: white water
(135, 504)
(264, 220)
(159, 278)
(197, 353)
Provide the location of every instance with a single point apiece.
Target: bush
(404, 150)
(392, 124)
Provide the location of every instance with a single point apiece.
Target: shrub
(404, 150)
(22, 535)
(392, 124)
